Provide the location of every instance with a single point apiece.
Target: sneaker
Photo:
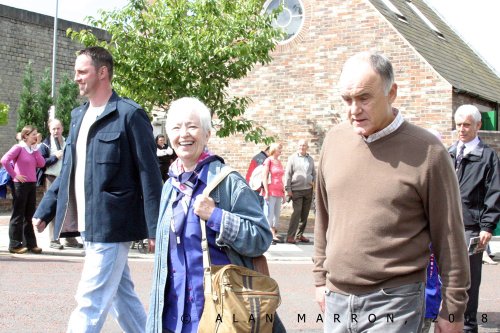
(56, 245)
(35, 250)
(72, 242)
(18, 250)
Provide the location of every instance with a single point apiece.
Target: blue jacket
(122, 177)
(252, 239)
(479, 181)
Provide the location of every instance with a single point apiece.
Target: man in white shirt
(108, 192)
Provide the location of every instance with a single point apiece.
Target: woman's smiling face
(187, 137)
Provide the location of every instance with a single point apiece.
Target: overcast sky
(476, 21)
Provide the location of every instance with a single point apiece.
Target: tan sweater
(379, 205)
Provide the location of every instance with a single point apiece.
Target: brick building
(295, 96)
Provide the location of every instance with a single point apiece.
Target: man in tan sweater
(385, 190)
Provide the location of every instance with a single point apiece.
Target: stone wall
(26, 36)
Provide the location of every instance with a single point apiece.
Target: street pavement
(37, 291)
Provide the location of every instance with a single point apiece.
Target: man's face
(303, 147)
(368, 108)
(86, 76)
(467, 128)
(55, 129)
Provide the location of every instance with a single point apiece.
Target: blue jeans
(389, 310)
(106, 284)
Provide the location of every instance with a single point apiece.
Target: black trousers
(21, 232)
(476, 265)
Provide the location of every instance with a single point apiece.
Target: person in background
(257, 160)
(166, 155)
(21, 162)
(385, 189)
(478, 174)
(108, 192)
(299, 180)
(52, 151)
(38, 140)
(273, 189)
(237, 229)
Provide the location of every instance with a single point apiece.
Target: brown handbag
(237, 299)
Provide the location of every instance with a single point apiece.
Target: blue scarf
(184, 183)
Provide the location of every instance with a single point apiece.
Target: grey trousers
(390, 310)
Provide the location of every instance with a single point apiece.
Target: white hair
(466, 110)
(186, 104)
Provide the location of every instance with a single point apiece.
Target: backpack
(255, 182)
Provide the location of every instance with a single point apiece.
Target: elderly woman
(236, 227)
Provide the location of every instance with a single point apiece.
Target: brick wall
(28, 36)
(296, 96)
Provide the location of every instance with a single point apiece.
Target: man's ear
(393, 92)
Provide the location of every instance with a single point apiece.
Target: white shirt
(469, 146)
(80, 160)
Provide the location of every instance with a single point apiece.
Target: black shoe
(73, 243)
(18, 250)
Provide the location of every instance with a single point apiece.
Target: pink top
(276, 186)
(24, 163)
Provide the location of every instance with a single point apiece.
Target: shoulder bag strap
(226, 170)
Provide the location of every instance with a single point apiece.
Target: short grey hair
(186, 104)
(466, 110)
(379, 63)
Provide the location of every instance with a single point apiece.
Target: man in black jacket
(477, 167)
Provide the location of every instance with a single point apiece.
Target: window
(291, 18)
(425, 19)
(396, 11)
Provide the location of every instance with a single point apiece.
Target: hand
(151, 245)
(58, 154)
(320, 297)
(38, 224)
(445, 326)
(203, 206)
(21, 178)
(290, 194)
(484, 238)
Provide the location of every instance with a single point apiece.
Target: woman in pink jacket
(21, 162)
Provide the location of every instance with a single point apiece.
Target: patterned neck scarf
(185, 182)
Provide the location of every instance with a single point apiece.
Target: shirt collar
(469, 146)
(393, 126)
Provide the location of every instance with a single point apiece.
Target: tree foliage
(34, 104)
(4, 113)
(177, 48)
(67, 100)
(43, 102)
(27, 113)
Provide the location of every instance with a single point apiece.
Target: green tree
(4, 113)
(27, 113)
(67, 100)
(171, 49)
(43, 102)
